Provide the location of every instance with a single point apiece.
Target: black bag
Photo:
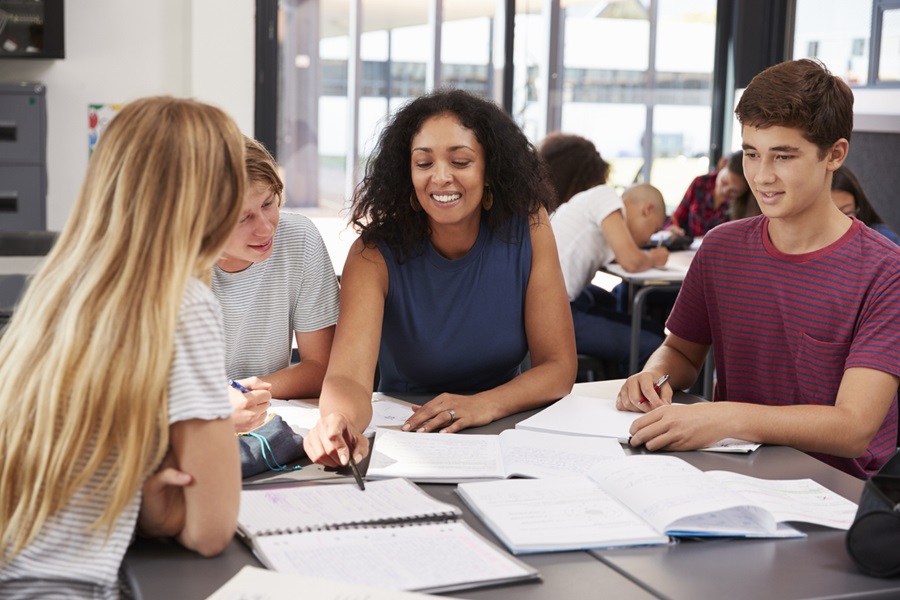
(269, 447)
(873, 541)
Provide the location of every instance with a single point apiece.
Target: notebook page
(281, 509)
(582, 415)
(560, 513)
(302, 416)
(800, 500)
(678, 498)
(253, 583)
(535, 454)
(422, 557)
(434, 456)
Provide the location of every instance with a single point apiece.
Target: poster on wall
(99, 116)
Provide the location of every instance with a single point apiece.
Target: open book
(645, 499)
(582, 415)
(448, 458)
(342, 533)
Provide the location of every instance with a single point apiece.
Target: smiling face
(787, 173)
(447, 167)
(252, 240)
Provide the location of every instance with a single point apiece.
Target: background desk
(815, 567)
(642, 284)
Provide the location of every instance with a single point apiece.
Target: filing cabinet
(23, 157)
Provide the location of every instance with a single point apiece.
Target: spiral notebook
(392, 535)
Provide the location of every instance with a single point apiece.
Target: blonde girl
(113, 363)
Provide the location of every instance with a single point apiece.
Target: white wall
(119, 50)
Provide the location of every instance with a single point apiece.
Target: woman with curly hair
(454, 279)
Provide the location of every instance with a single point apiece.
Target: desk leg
(709, 369)
(637, 315)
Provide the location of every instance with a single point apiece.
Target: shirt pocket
(820, 368)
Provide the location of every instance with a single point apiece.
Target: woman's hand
(448, 413)
(332, 439)
(250, 409)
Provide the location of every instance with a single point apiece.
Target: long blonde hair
(85, 359)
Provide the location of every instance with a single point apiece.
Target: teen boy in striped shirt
(800, 304)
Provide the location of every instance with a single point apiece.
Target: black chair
(592, 368)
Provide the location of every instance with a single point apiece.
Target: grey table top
(815, 567)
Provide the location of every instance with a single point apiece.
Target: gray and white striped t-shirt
(67, 559)
(294, 290)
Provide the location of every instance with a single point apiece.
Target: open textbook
(638, 500)
(582, 415)
(342, 533)
(447, 458)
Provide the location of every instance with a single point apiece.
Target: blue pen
(239, 387)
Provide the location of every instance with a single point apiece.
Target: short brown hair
(261, 168)
(800, 94)
(574, 164)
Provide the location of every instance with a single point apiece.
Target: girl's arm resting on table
(304, 379)
(346, 402)
(678, 358)
(845, 429)
(551, 342)
(208, 452)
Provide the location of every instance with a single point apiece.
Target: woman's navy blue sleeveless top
(456, 325)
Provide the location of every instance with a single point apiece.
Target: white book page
(434, 456)
(437, 555)
(302, 416)
(253, 583)
(299, 508)
(582, 415)
(676, 497)
(560, 513)
(792, 500)
(299, 415)
(535, 454)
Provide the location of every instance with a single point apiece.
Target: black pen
(355, 468)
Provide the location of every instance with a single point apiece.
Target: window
(859, 40)
(634, 76)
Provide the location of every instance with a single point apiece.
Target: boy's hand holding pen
(657, 386)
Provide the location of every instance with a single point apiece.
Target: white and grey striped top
(68, 561)
(294, 290)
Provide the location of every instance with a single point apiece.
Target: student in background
(801, 305)
(274, 280)
(592, 229)
(711, 199)
(574, 162)
(117, 356)
(454, 279)
(849, 197)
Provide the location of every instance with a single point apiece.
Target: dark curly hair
(574, 163)
(381, 210)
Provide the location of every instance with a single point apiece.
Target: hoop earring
(414, 202)
(487, 198)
